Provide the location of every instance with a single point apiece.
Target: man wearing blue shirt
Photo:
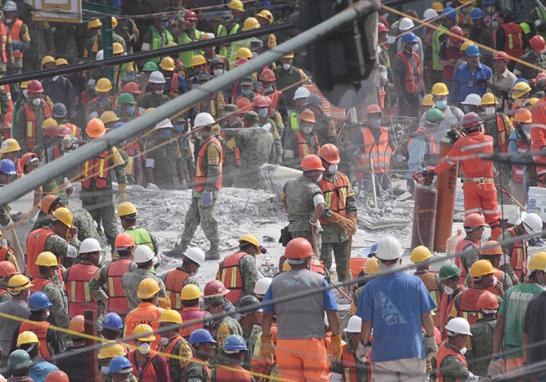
(471, 77)
(397, 306)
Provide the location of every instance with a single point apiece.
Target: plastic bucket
(537, 201)
(356, 265)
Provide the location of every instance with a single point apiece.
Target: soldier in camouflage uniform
(156, 96)
(482, 335)
(232, 152)
(7, 172)
(250, 323)
(325, 126)
(160, 163)
(271, 122)
(256, 143)
(223, 327)
(451, 363)
(203, 349)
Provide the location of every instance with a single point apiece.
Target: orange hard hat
(523, 116)
(132, 88)
(214, 288)
(491, 248)
(311, 162)
(124, 240)
(474, 220)
(77, 324)
(307, 116)
(298, 248)
(488, 301)
(7, 268)
(95, 128)
(329, 153)
(57, 376)
(374, 109)
(243, 104)
(48, 202)
(501, 56)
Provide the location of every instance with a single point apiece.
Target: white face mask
(319, 178)
(441, 104)
(286, 66)
(494, 281)
(415, 48)
(489, 311)
(8, 21)
(144, 348)
(449, 291)
(36, 102)
(490, 110)
(25, 93)
(262, 113)
(104, 370)
(462, 351)
(55, 78)
(308, 129)
(332, 169)
(218, 72)
(163, 341)
(158, 92)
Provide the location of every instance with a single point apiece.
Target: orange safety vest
(335, 195)
(36, 242)
(446, 305)
(174, 282)
(275, 97)
(15, 35)
(317, 266)
(432, 283)
(38, 284)
(236, 151)
(40, 328)
(461, 246)
(189, 314)
(502, 134)
(412, 86)
(78, 291)
(230, 275)
(96, 169)
(74, 130)
(117, 299)
(4, 42)
(349, 365)
(466, 304)
(4, 250)
(513, 39)
(148, 372)
(303, 148)
(173, 88)
(32, 122)
(432, 146)
(379, 151)
(517, 169)
(518, 258)
(200, 176)
(443, 353)
(235, 373)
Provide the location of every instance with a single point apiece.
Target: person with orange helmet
(482, 334)
(301, 141)
(339, 218)
(493, 252)
(474, 225)
(519, 141)
(301, 353)
(271, 120)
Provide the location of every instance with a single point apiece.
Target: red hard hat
(382, 28)
(190, 16)
(488, 301)
(307, 116)
(7, 268)
(329, 153)
(261, 101)
(474, 220)
(501, 56)
(311, 162)
(124, 240)
(471, 120)
(47, 202)
(243, 104)
(457, 31)
(57, 376)
(240, 61)
(538, 44)
(374, 109)
(215, 287)
(35, 86)
(267, 75)
(298, 248)
(26, 158)
(131, 87)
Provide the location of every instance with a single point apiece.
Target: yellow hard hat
(170, 315)
(236, 5)
(61, 61)
(427, 100)
(64, 215)
(141, 330)
(465, 45)
(167, 63)
(27, 337)
(488, 99)
(289, 55)
(372, 266)
(117, 48)
(481, 268)
(198, 59)
(243, 52)
(94, 23)
(537, 262)
(24, 85)
(440, 89)
(420, 254)
(249, 238)
(10, 145)
(190, 292)
(126, 208)
(520, 89)
(114, 22)
(147, 288)
(109, 116)
(533, 100)
(111, 351)
(437, 6)
(18, 283)
(250, 24)
(47, 259)
(266, 14)
(103, 85)
(47, 60)
(49, 122)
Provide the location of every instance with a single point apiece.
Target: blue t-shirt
(329, 299)
(394, 304)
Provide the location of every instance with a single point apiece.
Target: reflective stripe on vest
(40, 328)
(31, 119)
(443, 353)
(431, 143)
(466, 304)
(377, 150)
(304, 148)
(117, 301)
(230, 275)
(294, 121)
(96, 169)
(36, 242)
(200, 176)
(335, 195)
(4, 42)
(412, 85)
(513, 39)
(15, 35)
(174, 282)
(518, 258)
(78, 291)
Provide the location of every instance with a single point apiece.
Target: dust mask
(319, 178)
(218, 72)
(262, 113)
(286, 66)
(332, 169)
(158, 92)
(491, 110)
(104, 370)
(308, 129)
(163, 341)
(463, 350)
(494, 281)
(441, 104)
(54, 78)
(144, 348)
(36, 102)
(449, 291)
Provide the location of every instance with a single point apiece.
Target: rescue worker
(107, 353)
(147, 311)
(61, 115)
(300, 97)
(338, 221)
(120, 369)
(230, 25)
(287, 74)
(7, 253)
(96, 185)
(203, 350)
(325, 126)
(493, 252)
(450, 52)
(419, 256)
(496, 123)
(503, 79)
(175, 83)
(19, 364)
(238, 271)
(355, 356)
(232, 153)
(157, 36)
(510, 37)
(104, 100)
(519, 96)
(93, 43)
(422, 148)
(188, 34)
(451, 285)
(149, 366)
(171, 342)
(160, 162)
(482, 334)
(7, 171)
(112, 326)
(303, 200)
(207, 185)
(78, 278)
(75, 364)
(450, 361)
(519, 142)
(233, 354)
(155, 96)
(11, 150)
(301, 141)
(251, 316)
(185, 274)
(453, 116)
(221, 327)
(262, 106)
(480, 193)
(535, 57)
(143, 257)
(473, 225)
(190, 298)
(301, 352)
(19, 36)
(127, 213)
(28, 341)
(7, 270)
(470, 77)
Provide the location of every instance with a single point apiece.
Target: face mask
(158, 92)
(466, 109)
(308, 129)
(144, 348)
(332, 169)
(8, 21)
(262, 113)
(489, 311)
(449, 291)
(462, 351)
(164, 133)
(376, 124)
(54, 78)
(441, 104)
(165, 24)
(286, 66)
(415, 48)
(319, 178)
(246, 92)
(268, 90)
(178, 128)
(131, 109)
(36, 102)
(25, 93)
(218, 72)
(104, 370)
(494, 281)
(490, 110)
(163, 341)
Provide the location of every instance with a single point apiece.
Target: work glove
(496, 367)
(122, 195)
(353, 219)
(342, 222)
(335, 348)
(267, 349)
(206, 199)
(431, 348)
(317, 225)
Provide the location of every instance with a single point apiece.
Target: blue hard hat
(472, 51)
(201, 336)
(117, 125)
(118, 363)
(477, 14)
(112, 321)
(38, 301)
(235, 343)
(7, 167)
(449, 12)
(409, 38)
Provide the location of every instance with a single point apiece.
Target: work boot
(178, 251)
(213, 253)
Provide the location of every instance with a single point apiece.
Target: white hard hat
(301, 92)
(90, 245)
(203, 119)
(262, 285)
(143, 254)
(532, 222)
(430, 14)
(354, 325)
(405, 24)
(100, 55)
(165, 124)
(10, 6)
(389, 248)
(472, 99)
(458, 325)
(196, 255)
(156, 77)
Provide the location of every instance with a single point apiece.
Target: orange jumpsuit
(538, 138)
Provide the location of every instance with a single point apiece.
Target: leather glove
(164, 302)
(335, 349)
(206, 199)
(122, 192)
(496, 367)
(353, 219)
(267, 349)
(343, 223)
(431, 348)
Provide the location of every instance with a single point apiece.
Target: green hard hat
(435, 115)
(150, 66)
(126, 99)
(448, 271)
(19, 360)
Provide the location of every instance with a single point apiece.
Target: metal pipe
(144, 55)
(137, 126)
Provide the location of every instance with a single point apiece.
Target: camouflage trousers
(340, 254)
(101, 207)
(206, 217)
